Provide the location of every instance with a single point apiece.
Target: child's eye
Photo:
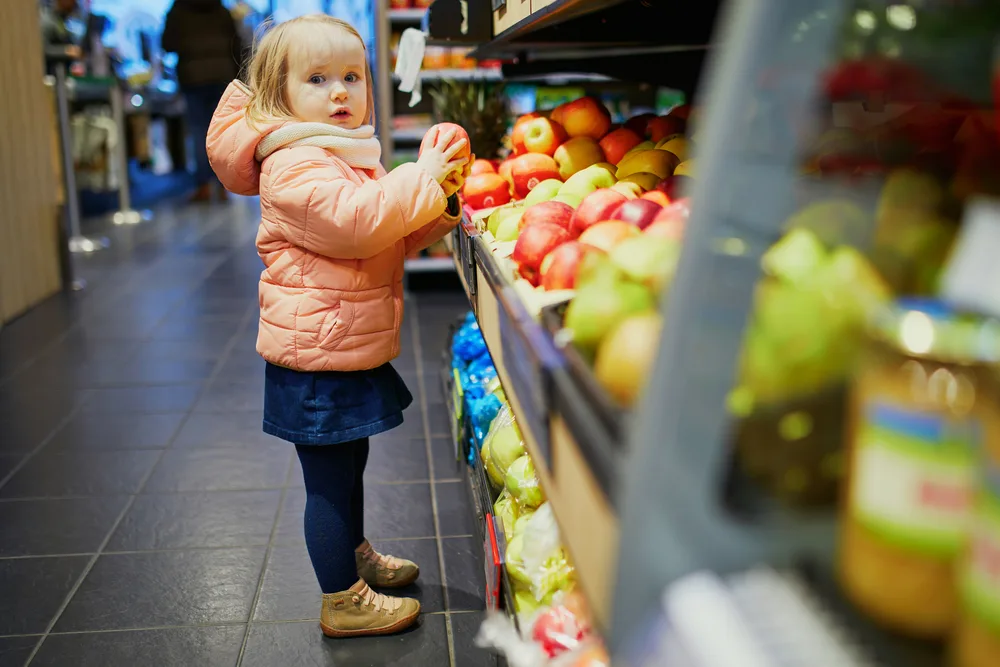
(316, 79)
(351, 78)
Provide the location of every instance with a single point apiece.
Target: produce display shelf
(473, 74)
(428, 264)
(413, 15)
(527, 361)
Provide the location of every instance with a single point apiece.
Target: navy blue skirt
(330, 407)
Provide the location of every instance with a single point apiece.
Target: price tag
(458, 408)
(492, 564)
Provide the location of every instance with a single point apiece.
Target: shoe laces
(380, 560)
(378, 601)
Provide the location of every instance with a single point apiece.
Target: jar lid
(930, 328)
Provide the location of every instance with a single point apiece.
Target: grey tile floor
(144, 517)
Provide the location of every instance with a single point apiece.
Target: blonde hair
(267, 69)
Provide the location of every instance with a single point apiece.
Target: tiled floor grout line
(103, 299)
(263, 576)
(217, 624)
(422, 394)
(131, 501)
(226, 547)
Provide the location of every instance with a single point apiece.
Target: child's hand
(456, 179)
(437, 161)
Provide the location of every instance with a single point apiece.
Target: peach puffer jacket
(333, 240)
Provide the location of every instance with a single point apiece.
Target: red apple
(541, 135)
(662, 127)
(584, 117)
(657, 196)
(606, 235)
(639, 212)
(504, 170)
(638, 123)
(559, 268)
(618, 142)
(596, 207)
(482, 167)
(535, 242)
(485, 190)
(553, 212)
(667, 229)
(431, 138)
(677, 210)
(675, 187)
(529, 170)
(683, 111)
(517, 134)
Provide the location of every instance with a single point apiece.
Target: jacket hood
(232, 142)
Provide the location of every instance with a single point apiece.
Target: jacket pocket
(335, 326)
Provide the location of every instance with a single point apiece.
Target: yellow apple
(661, 163)
(576, 154)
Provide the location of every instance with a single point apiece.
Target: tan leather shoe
(361, 612)
(384, 571)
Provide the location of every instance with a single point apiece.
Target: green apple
(648, 260)
(508, 229)
(544, 191)
(501, 214)
(795, 257)
(600, 305)
(569, 198)
(833, 222)
(585, 181)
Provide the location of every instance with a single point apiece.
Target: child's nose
(338, 91)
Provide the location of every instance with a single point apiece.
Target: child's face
(326, 78)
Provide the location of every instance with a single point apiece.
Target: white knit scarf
(359, 148)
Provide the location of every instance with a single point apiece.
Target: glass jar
(977, 638)
(919, 409)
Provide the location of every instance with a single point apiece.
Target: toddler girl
(334, 231)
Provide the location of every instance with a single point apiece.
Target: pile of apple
(550, 147)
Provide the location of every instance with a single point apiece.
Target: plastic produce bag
(468, 342)
(505, 509)
(542, 556)
(522, 482)
(503, 420)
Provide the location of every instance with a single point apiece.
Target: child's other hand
(438, 162)
(456, 179)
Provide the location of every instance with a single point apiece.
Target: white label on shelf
(972, 274)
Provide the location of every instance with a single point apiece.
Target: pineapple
(478, 106)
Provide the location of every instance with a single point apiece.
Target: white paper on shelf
(409, 59)
(971, 278)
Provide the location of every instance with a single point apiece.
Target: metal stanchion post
(125, 215)
(78, 243)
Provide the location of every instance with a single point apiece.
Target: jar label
(980, 578)
(914, 478)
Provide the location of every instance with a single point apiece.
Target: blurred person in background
(209, 50)
(57, 39)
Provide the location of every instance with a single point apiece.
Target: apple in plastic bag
(522, 483)
(506, 446)
(557, 630)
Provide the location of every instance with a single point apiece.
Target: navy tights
(335, 505)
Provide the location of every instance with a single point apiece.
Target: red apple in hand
(482, 167)
(541, 135)
(584, 117)
(533, 244)
(529, 170)
(432, 135)
(639, 212)
(554, 212)
(559, 268)
(618, 142)
(596, 207)
(485, 190)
